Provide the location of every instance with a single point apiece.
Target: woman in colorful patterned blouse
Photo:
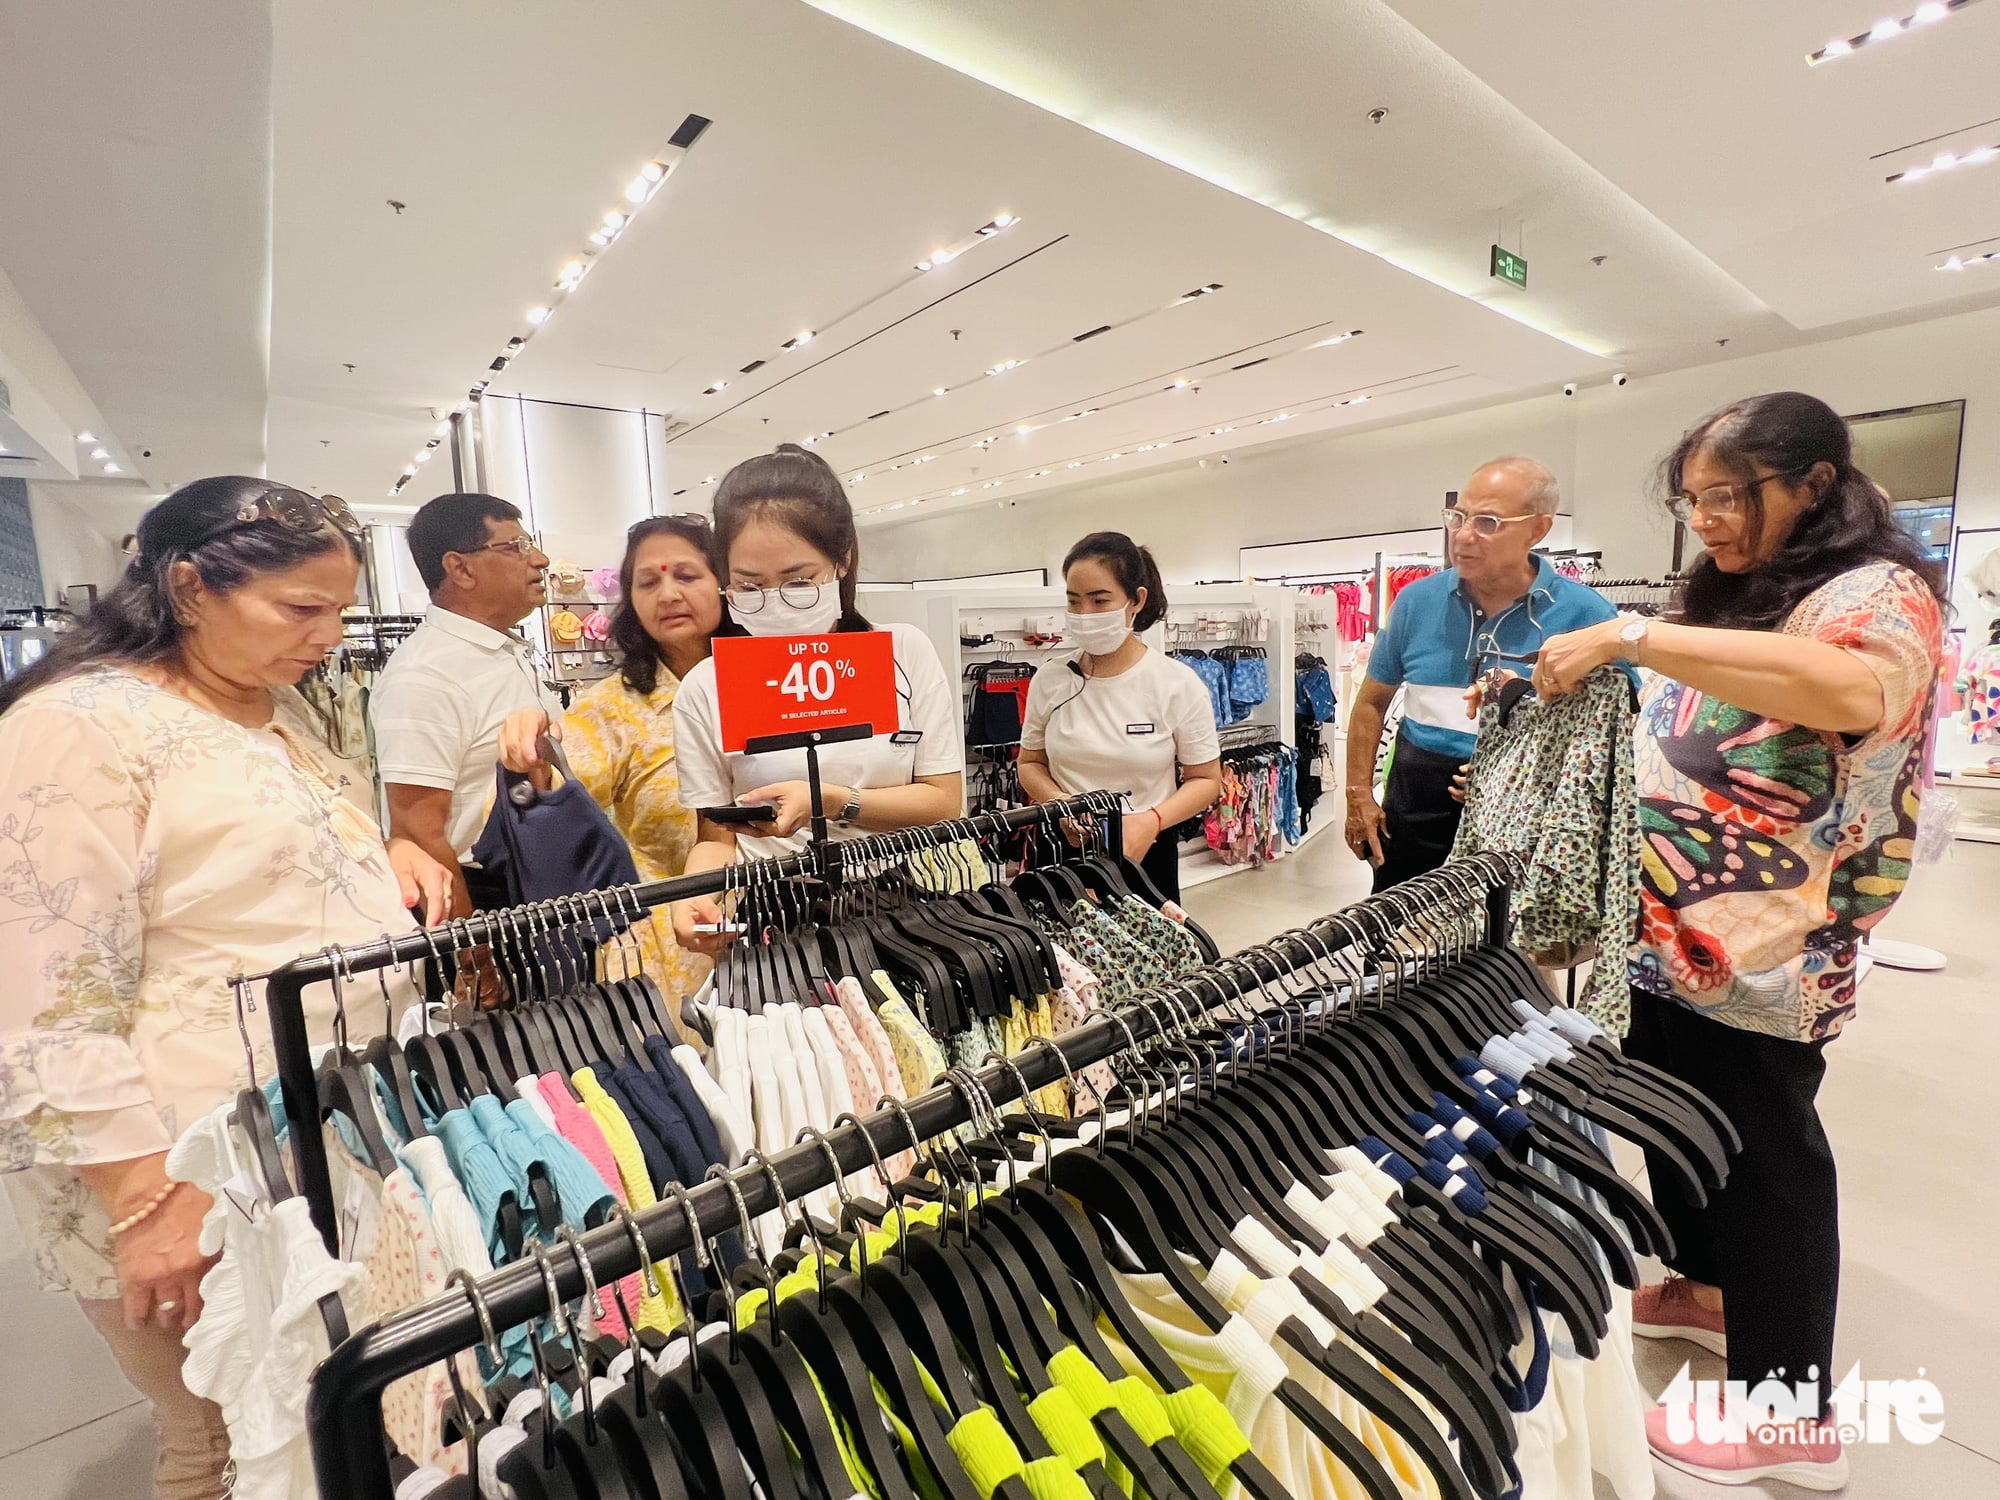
(165, 828)
(619, 734)
(1779, 758)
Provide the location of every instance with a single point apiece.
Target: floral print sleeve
(1768, 849)
(150, 850)
(72, 1088)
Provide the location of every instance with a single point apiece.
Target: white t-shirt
(1121, 734)
(438, 709)
(926, 707)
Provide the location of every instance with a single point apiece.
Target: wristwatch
(852, 810)
(1633, 636)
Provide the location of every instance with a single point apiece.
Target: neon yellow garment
(806, 1279)
(662, 1312)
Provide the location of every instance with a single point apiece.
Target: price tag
(795, 684)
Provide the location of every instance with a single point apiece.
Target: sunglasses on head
(293, 509)
(685, 517)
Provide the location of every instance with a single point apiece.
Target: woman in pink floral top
(1779, 763)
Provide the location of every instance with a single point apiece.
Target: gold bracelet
(154, 1205)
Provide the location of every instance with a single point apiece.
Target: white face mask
(1100, 634)
(778, 617)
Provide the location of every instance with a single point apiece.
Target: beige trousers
(194, 1445)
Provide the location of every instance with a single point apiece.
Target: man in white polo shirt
(438, 709)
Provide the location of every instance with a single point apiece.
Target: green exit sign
(1507, 266)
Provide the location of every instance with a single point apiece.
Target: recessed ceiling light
(425, 456)
(86, 437)
(709, 480)
(409, 471)
(613, 222)
(1023, 430)
(1887, 29)
(600, 238)
(99, 453)
(940, 390)
(112, 469)
(441, 429)
(799, 341)
(537, 316)
(637, 189)
(1077, 465)
(719, 386)
(959, 491)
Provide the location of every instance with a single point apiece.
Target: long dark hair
(1849, 524)
(136, 622)
(640, 666)
(798, 489)
(1133, 567)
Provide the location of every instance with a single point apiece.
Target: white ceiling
(1148, 149)
(1705, 113)
(134, 225)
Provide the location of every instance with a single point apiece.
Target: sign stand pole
(809, 741)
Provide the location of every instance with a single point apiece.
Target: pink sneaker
(1812, 1461)
(1669, 1311)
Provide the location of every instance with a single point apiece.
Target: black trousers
(1421, 811)
(1163, 864)
(1770, 1238)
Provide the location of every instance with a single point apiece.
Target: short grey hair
(1543, 493)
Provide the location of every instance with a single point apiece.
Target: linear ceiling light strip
(939, 258)
(1946, 161)
(642, 190)
(1886, 29)
(1150, 389)
(1008, 366)
(688, 429)
(1402, 383)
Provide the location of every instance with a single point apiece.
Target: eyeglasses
(1458, 520)
(293, 509)
(1723, 499)
(800, 593)
(520, 546)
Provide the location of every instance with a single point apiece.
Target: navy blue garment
(542, 845)
(659, 1163)
(651, 1112)
(675, 1082)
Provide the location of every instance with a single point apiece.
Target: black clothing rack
(344, 1405)
(284, 987)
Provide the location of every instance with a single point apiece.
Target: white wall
(1603, 445)
(581, 474)
(74, 547)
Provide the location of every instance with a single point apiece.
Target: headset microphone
(1077, 668)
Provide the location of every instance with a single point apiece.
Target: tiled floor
(1921, 1216)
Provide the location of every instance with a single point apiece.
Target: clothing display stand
(284, 988)
(344, 1406)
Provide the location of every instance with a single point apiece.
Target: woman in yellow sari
(619, 734)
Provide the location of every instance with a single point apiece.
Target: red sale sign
(795, 684)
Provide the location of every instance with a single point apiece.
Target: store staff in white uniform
(786, 532)
(1119, 716)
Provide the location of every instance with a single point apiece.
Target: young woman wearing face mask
(1118, 716)
(786, 534)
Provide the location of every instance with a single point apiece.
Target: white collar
(464, 628)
